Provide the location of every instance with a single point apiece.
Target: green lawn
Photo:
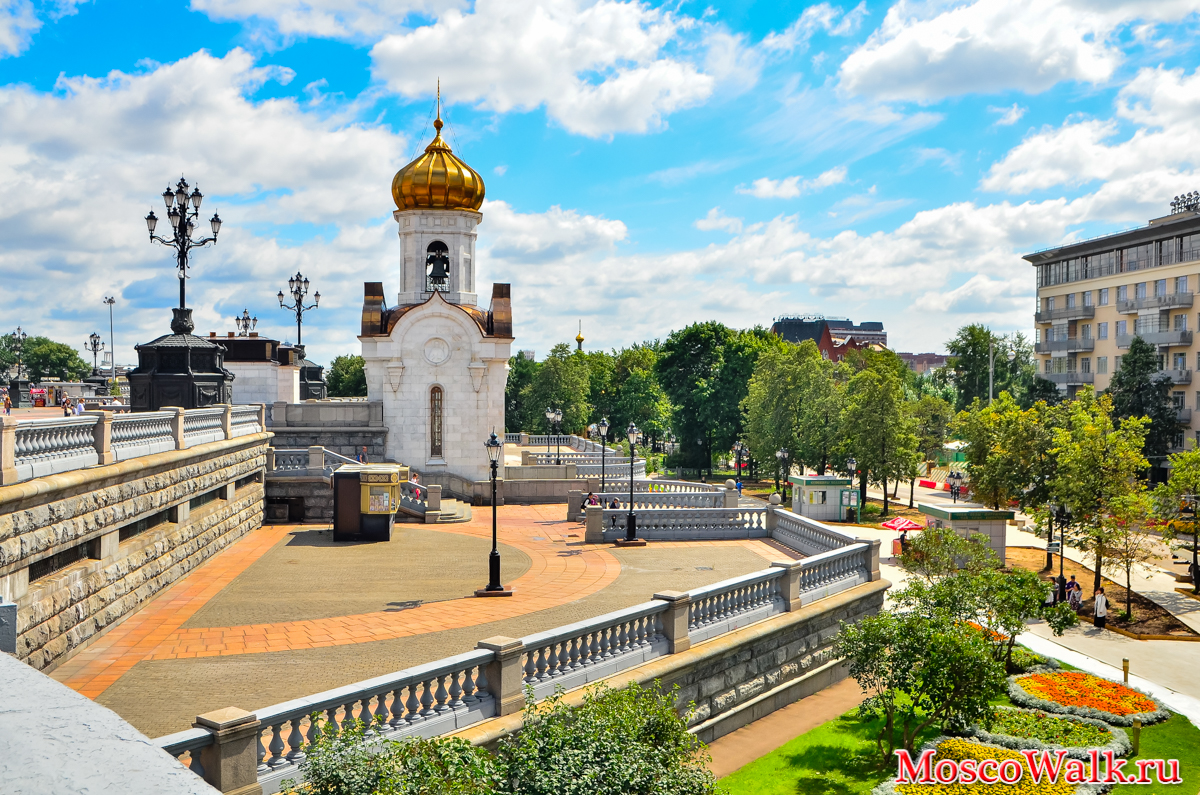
(840, 758)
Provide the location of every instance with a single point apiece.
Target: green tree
(970, 363)
(931, 417)
(561, 382)
(346, 377)
(1098, 461)
(44, 358)
(705, 370)
(919, 669)
(876, 427)
(1139, 389)
(519, 415)
(1176, 505)
(602, 388)
(773, 401)
(1009, 360)
(822, 396)
(642, 401)
(618, 741)
(1129, 544)
(1004, 445)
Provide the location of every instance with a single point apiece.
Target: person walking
(362, 457)
(1101, 609)
(1074, 594)
(7, 403)
(68, 410)
(739, 486)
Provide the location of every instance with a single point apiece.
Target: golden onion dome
(437, 179)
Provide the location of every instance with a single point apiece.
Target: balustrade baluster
(313, 728)
(412, 705)
(543, 665)
(622, 633)
(531, 666)
(573, 654)
(481, 684)
(591, 648)
(194, 763)
(427, 710)
(295, 741)
(277, 759)
(262, 754)
(468, 687)
(552, 666)
(456, 691)
(364, 714)
(331, 714)
(605, 644)
(397, 708)
(381, 711)
(442, 696)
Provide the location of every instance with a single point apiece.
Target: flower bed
(960, 748)
(1078, 693)
(1020, 729)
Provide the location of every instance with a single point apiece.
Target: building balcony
(1066, 313)
(1178, 376)
(1175, 338)
(1069, 345)
(1070, 378)
(1169, 301)
(1184, 416)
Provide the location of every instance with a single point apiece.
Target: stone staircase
(453, 511)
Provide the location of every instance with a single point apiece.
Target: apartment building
(1094, 297)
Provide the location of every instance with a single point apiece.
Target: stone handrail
(424, 701)
(656, 485)
(544, 439)
(583, 652)
(203, 425)
(52, 445)
(834, 571)
(512, 438)
(596, 470)
(414, 497)
(244, 420)
(806, 536)
(694, 524)
(187, 742)
(334, 460)
(654, 500)
(725, 606)
(291, 460)
(144, 433)
(580, 458)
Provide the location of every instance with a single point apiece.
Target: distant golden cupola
(437, 179)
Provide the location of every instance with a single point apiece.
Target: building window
(204, 499)
(1177, 441)
(1049, 304)
(1123, 292)
(1085, 365)
(1189, 248)
(1160, 288)
(1138, 257)
(1167, 252)
(1087, 298)
(1140, 291)
(1102, 364)
(1085, 330)
(1177, 400)
(57, 562)
(1181, 322)
(1121, 326)
(1179, 361)
(1116, 364)
(435, 422)
(1070, 300)
(1102, 330)
(1104, 297)
(1181, 284)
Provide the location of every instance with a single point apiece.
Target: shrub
(617, 742)
(351, 762)
(871, 509)
(1023, 661)
(1020, 729)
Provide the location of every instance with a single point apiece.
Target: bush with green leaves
(617, 742)
(352, 761)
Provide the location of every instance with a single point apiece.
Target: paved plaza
(285, 612)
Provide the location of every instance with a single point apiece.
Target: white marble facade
(437, 345)
(264, 382)
(420, 227)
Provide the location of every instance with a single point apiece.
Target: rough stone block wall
(61, 611)
(317, 495)
(722, 683)
(347, 441)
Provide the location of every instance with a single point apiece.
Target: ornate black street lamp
(95, 345)
(631, 433)
(494, 448)
(852, 465)
(738, 449)
(784, 467)
(298, 287)
(18, 346)
(554, 417)
(245, 324)
(603, 429)
(183, 222)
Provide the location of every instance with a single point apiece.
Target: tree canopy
(346, 377)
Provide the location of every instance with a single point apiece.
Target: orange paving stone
(556, 575)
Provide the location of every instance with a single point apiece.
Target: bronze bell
(438, 263)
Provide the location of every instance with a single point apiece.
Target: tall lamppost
(738, 449)
(112, 346)
(1190, 507)
(852, 465)
(631, 433)
(245, 324)
(603, 429)
(784, 467)
(1064, 518)
(183, 223)
(494, 447)
(298, 287)
(18, 344)
(95, 345)
(554, 417)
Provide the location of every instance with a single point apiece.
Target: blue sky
(647, 165)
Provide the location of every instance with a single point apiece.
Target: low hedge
(1118, 742)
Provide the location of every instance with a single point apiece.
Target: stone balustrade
(657, 500)
(696, 524)
(34, 448)
(596, 470)
(610, 459)
(489, 683)
(807, 536)
(617, 484)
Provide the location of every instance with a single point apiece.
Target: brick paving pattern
(285, 613)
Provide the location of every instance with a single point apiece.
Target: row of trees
(42, 358)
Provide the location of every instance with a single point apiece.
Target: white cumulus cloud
(925, 51)
(718, 220)
(335, 19)
(792, 187)
(1008, 116)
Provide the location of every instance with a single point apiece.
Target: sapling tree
(1130, 546)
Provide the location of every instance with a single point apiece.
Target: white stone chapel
(436, 360)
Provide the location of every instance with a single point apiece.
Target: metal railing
(144, 433)
(55, 444)
(1165, 301)
(1068, 345)
(1065, 313)
(1164, 337)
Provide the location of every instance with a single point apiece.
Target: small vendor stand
(825, 498)
(365, 499)
(968, 519)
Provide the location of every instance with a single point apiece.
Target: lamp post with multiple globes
(494, 448)
(298, 288)
(603, 429)
(631, 539)
(245, 324)
(554, 417)
(94, 345)
(183, 222)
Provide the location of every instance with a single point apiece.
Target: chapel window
(435, 422)
(437, 267)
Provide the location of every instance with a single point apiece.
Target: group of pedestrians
(70, 407)
(1099, 604)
